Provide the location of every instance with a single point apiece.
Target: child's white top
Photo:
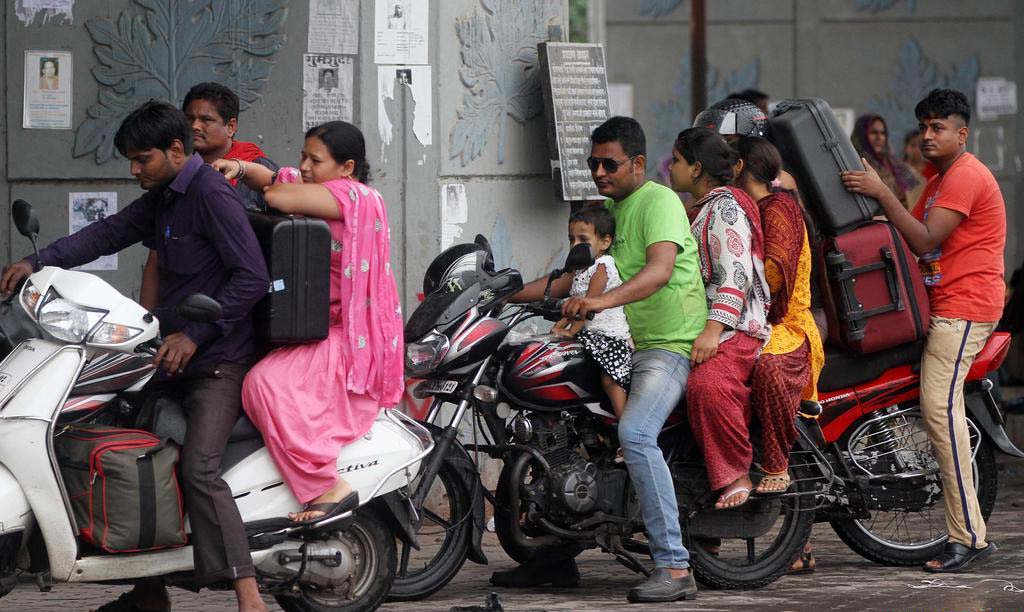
(611, 321)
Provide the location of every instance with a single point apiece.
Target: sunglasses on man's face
(611, 166)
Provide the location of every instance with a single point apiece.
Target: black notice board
(575, 87)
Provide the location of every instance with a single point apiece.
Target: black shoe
(955, 557)
(662, 587)
(562, 574)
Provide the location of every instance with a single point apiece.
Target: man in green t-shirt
(665, 306)
(663, 296)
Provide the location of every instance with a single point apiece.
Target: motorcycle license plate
(437, 386)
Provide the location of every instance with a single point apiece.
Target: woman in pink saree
(310, 400)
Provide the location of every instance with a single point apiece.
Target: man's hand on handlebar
(13, 274)
(175, 353)
(577, 308)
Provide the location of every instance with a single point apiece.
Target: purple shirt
(204, 244)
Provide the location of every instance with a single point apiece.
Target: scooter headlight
(423, 356)
(66, 320)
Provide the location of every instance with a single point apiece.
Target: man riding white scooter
(192, 217)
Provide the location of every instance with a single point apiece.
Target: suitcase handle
(846, 276)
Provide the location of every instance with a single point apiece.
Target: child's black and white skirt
(613, 355)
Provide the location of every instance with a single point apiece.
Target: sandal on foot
(125, 603)
(955, 557)
(803, 565)
(744, 491)
(330, 509)
(780, 483)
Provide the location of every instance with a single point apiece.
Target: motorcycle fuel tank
(551, 373)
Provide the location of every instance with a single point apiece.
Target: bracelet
(273, 177)
(241, 168)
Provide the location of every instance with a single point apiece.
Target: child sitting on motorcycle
(605, 337)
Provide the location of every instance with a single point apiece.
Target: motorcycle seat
(844, 369)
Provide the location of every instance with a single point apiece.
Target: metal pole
(698, 57)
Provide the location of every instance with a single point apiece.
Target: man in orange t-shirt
(958, 229)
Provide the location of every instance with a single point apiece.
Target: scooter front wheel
(373, 545)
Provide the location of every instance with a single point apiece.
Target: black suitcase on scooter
(296, 308)
(815, 150)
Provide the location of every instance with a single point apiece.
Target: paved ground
(844, 582)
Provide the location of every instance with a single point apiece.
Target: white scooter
(341, 564)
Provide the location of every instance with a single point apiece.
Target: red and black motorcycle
(862, 461)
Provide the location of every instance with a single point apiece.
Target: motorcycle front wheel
(373, 545)
(443, 536)
(906, 537)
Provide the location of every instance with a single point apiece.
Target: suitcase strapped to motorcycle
(815, 150)
(874, 295)
(123, 487)
(298, 254)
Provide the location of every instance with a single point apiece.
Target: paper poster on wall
(620, 99)
(995, 97)
(47, 103)
(326, 89)
(51, 10)
(454, 212)
(400, 31)
(845, 117)
(86, 207)
(417, 79)
(334, 26)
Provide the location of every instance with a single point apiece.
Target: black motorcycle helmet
(458, 268)
(733, 116)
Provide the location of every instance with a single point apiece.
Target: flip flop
(807, 565)
(782, 479)
(955, 557)
(727, 494)
(330, 509)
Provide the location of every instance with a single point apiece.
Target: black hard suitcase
(298, 253)
(815, 150)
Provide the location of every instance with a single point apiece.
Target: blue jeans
(659, 382)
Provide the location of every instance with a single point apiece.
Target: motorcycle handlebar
(151, 346)
(550, 309)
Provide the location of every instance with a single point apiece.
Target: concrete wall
(869, 55)
(509, 195)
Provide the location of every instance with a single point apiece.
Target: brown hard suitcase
(873, 292)
(296, 308)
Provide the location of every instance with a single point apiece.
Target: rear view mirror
(199, 308)
(25, 219)
(580, 257)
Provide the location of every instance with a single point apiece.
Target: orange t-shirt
(964, 274)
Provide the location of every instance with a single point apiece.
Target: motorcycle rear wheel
(884, 549)
(374, 545)
(730, 568)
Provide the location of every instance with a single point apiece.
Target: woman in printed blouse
(731, 251)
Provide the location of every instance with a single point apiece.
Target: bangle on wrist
(241, 168)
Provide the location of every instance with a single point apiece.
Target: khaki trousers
(950, 350)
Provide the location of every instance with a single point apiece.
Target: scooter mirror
(580, 257)
(199, 308)
(25, 219)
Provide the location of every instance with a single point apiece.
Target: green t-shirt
(673, 316)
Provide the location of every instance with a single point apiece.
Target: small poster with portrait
(47, 103)
(86, 208)
(326, 89)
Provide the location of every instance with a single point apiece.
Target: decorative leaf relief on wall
(498, 49)
(877, 6)
(670, 117)
(914, 77)
(161, 48)
(657, 8)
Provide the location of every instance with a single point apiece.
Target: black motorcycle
(537, 402)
